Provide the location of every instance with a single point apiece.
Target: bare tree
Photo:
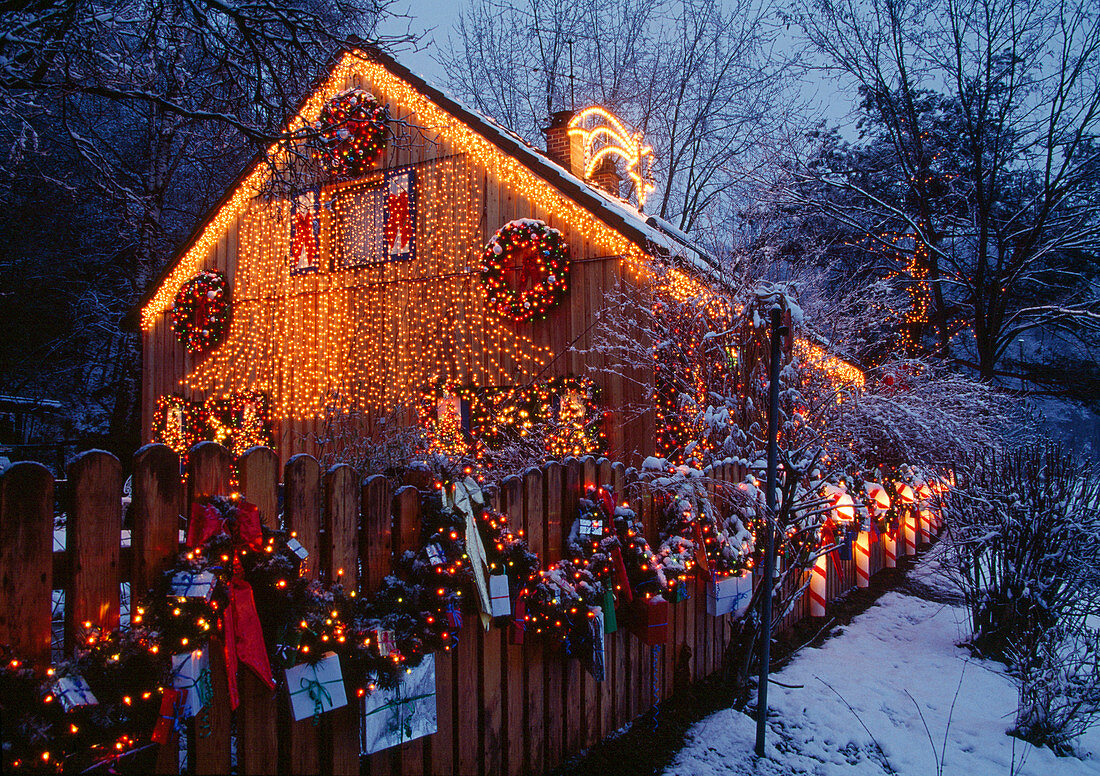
(698, 78)
(977, 167)
(149, 109)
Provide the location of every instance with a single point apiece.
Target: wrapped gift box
(649, 620)
(72, 692)
(296, 547)
(188, 585)
(191, 672)
(591, 528)
(392, 717)
(729, 595)
(387, 643)
(610, 621)
(435, 554)
(499, 601)
(593, 645)
(316, 688)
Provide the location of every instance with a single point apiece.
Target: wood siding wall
(502, 708)
(461, 202)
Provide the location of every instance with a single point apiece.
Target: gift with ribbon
(435, 554)
(452, 614)
(610, 622)
(316, 687)
(386, 641)
(649, 620)
(186, 584)
(296, 547)
(499, 599)
(593, 645)
(393, 716)
(72, 692)
(729, 595)
(469, 501)
(191, 674)
(170, 719)
(590, 527)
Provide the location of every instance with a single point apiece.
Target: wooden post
(257, 716)
(412, 756)
(210, 467)
(26, 559)
(157, 503)
(554, 665)
(94, 532)
(341, 552)
(299, 749)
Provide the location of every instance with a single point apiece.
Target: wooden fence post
(299, 748)
(411, 757)
(156, 506)
(553, 664)
(341, 551)
(532, 708)
(26, 559)
(211, 468)
(93, 532)
(257, 717)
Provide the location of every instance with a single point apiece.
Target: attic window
(375, 221)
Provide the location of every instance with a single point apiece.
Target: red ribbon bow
(828, 538)
(398, 224)
(620, 574)
(244, 639)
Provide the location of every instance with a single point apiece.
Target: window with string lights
(375, 220)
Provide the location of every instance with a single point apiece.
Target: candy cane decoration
(862, 548)
(926, 525)
(910, 532)
(817, 586)
(890, 549)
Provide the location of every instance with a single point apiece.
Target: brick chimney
(607, 177)
(562, 148)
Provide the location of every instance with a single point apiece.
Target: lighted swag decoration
(243, 581)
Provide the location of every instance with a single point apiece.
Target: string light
(370, 339)
(604, 136)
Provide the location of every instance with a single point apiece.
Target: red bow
(828, 539)
(207, 522)
(701, 552)
(607, 500)
(244, 639)
(620, 574)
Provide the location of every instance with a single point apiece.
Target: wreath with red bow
(200, 312)
(351, 133)
(538, 257)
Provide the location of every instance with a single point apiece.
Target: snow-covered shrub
(1059, 685)
(1025, 551)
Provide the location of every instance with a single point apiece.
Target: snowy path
(895, 657)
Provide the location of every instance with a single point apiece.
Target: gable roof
(648, 232)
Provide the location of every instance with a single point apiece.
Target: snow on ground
(861, 697)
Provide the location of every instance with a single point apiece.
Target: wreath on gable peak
(201, 310)
(537, 257)
(351, 133)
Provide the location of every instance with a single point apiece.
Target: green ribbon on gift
(318, 693)
(610, 624)
(395, 706)
(204, 687)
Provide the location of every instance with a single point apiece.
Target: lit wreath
(200, 313)
(178, 423)
(539, 256)
(351, 133)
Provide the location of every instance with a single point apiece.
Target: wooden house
(364, 291)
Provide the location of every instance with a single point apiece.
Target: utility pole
(778, 331)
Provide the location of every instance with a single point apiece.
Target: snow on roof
(649, 231)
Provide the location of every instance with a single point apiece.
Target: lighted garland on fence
(351, 133)
(539, 256)
(201, 311)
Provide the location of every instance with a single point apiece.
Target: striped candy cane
(862, 548)
(817, 586)
(890, 550)
(910, 532)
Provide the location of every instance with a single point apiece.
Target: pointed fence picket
(501, 707)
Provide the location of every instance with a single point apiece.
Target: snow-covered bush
(1025, 551)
